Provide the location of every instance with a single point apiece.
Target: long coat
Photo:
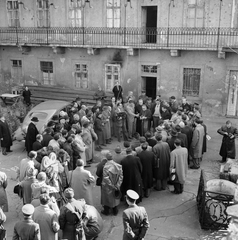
(189, 133)
(228, 149)
(179, 161)
(81, 181)
(112, 179)
(117, 91)
(197, 142)
(30, 136)
(147, 159)
(87, 139)
(5, 134)
(162, 159)
(3, 194)
(67, 218)
(132, 170)
(48, 221)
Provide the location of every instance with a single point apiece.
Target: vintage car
(44, 112)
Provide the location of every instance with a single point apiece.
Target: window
(13, 14)
(16, 69)
(191, 81)
(196, 13)
(112, 72)
(81, 76)
(113, 13)
(149, 68)
(47, 73)
(43, 13)
(75, 13)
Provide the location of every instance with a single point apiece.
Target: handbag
(18, 190)
(99, 181)
(3, 232)
(172, 175)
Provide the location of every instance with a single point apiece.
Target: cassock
(31, 137)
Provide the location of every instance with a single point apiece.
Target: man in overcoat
(197, 144)
(228, 149)
(5, 135)
(147, 159)
(132, 170)
(162, 163)
(31, 134)
(178, 161)
(111, 183)
(135, 218)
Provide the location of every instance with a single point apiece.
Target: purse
(18, 190)
(3, 233)
(99, 181)
(173, 175)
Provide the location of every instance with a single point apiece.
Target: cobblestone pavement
(171, 216)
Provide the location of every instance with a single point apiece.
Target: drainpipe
(219, 25)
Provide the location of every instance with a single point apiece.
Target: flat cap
(129, 150)
(118, 149)
(142, 139)
(28, 209)
(109, 156)
(132, 194)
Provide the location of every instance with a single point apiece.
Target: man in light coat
(178, 161)
(111, 183)
(81, 181)
(197, 144)
(47, 219)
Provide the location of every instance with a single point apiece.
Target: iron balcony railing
(158, 38)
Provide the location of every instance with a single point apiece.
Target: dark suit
(30, 136)
(183, 139)
(135, 222)
(36, 146)
(147, 159)
(132, 170)
(46, 140)
(5, 135)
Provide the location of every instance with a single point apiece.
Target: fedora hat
(35, 119)
(174, 133)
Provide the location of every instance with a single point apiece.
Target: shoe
(175, 192)
(9, 151)
(4, 153)
(221, 161)
(104, 213)
(194, 167)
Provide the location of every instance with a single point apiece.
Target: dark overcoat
(147, 159)
(31, 137)
(162, 159)
(189, 133)
(117, 91)
(228, 149)
(132, 170)
(5, 134)
(27, 96)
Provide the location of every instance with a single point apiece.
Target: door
(149, 84)
(151, 24)
(232, 94)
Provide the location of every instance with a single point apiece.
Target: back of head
(79, 163)
(39, 137)
(126, 144)
(44, 198)
(178, 128)
(41, 176)
(57, 136)
(177, 142)
(69, 140)
(158, 137)
(32, 154)
(137, 135)
(144, 146)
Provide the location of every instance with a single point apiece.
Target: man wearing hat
(139, 148)
(132, 170)
(160, 130)
(117, 157)
(71, 214)
(162, 163)
(174, 135)
(27, 228)
(46, 218)
(135, 218)
(31, 134)
(111, 183)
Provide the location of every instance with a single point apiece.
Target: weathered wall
(213, 84)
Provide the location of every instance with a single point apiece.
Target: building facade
(166, 47)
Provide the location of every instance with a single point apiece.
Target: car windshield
(39, 115)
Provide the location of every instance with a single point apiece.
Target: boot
(4, 151)
(105, 211)
(115, 211)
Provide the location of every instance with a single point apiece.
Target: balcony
(142, 38)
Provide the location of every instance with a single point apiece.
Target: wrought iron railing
(212, 206)
(160, 38)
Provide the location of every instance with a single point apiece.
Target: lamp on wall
(87, 2)
(23, 5)
(128, 2)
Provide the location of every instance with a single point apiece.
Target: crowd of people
(161, 139)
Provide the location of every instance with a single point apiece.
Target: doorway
(149, 84)
(232, 93)
(149, 21)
